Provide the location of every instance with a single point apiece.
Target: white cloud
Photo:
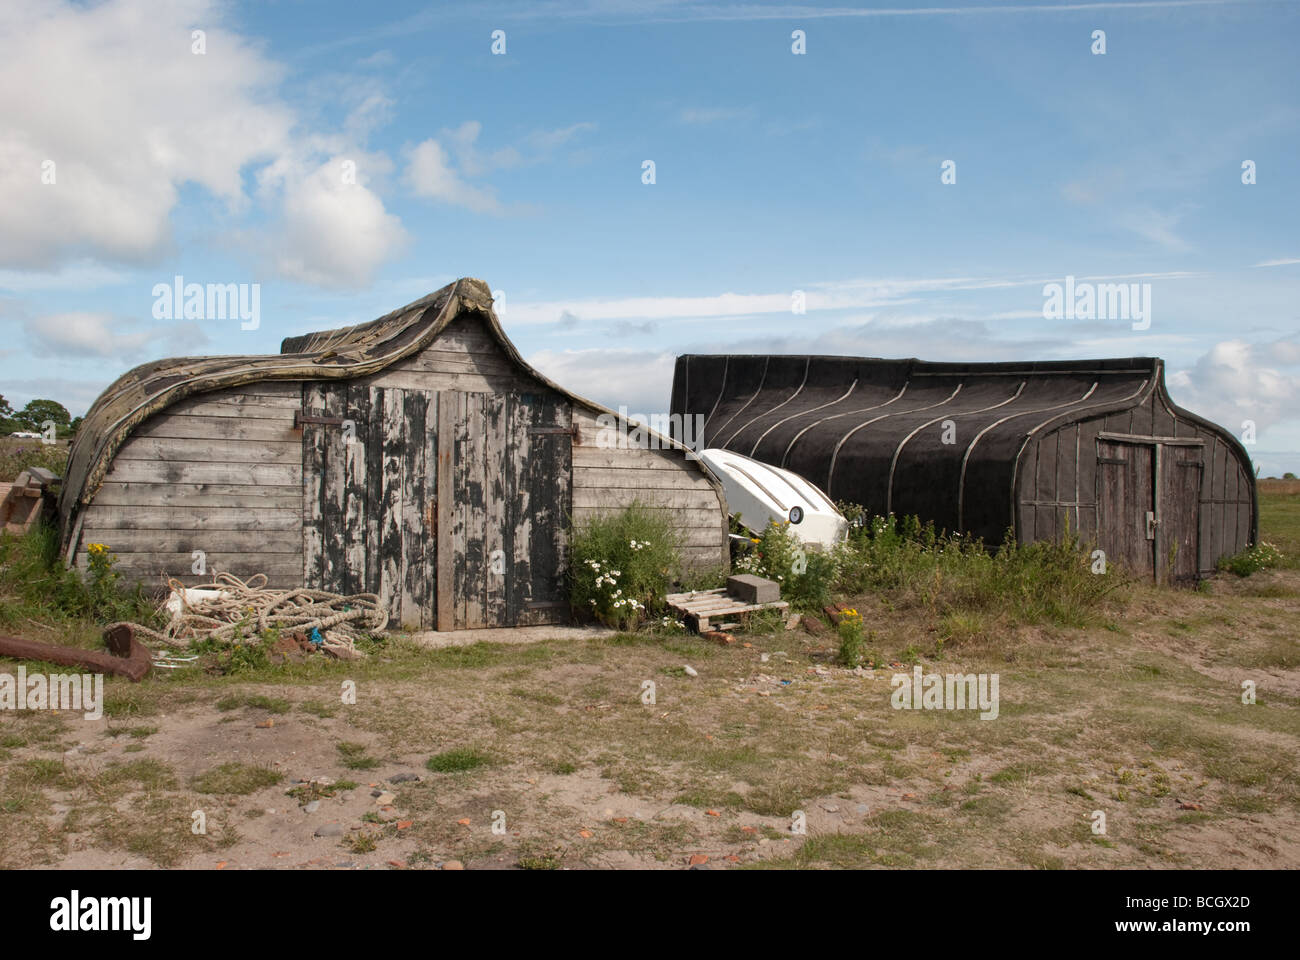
(841, 295)
(429, 173)
(546, 140)
(115, 97)
(336, 232)
(79, 275)
(1237, 381)
(705, 116)
(641, 380)
(1280, 262)
(93, 335)
(112, 95)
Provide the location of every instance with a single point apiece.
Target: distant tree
(38, 411)
(1289, 476)
(73, 427)
(7, 422)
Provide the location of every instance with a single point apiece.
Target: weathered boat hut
(416, 456)
(980, 448)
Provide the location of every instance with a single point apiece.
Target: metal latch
(1152, 523)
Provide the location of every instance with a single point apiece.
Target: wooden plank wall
(611, 479)
(1058, 478)
(220, 473)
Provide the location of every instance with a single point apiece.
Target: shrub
(34, 584)
(1262, 556)
(806, 576)
(621, 565)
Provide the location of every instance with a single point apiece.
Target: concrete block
(752, 589)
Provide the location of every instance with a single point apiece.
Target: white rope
(248, 607)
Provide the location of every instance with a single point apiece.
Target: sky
(641, 180)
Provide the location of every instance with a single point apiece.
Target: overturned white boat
(760, 493)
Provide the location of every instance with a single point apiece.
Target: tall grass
(36, 588)
(1043, 582)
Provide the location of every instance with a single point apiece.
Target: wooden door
(503, 499)
(1126, 505)
(369, 476)
(451, 506)
(1181, 468)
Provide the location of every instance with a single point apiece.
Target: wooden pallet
(701, 606)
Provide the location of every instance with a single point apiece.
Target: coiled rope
(248, 607)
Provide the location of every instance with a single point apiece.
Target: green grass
(235, 778)
(353, 756)
(1279, 524)
(457, 760)
(254, 702)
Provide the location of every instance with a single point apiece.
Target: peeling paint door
(369, 476)
(503, 496)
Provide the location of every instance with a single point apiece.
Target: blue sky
(774, 172)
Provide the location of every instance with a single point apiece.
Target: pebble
(385, 799)
(691, 671)
(312, 807)
(330, 830)
(453, 865)
(404, 778)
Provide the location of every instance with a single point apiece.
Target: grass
(1133, 721)
(457, 760)
(1279, 523)
(235, 778)
(18, 455)
(253, 702)
(353, 756)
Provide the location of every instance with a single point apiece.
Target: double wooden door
(451, 506)
(1148, 506)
